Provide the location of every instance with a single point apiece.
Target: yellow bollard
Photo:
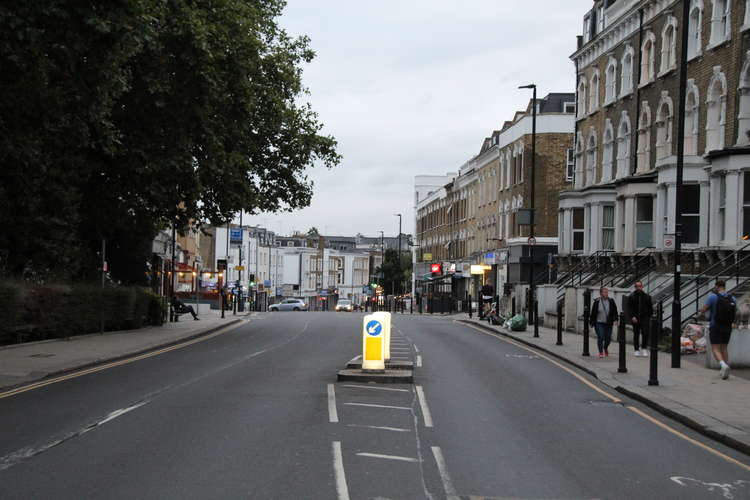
(385, 319)
(373, 344)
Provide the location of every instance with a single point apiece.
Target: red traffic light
(436, 268)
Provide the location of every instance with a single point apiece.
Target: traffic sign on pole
(532, 241)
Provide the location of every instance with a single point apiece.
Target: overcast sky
(411, 87)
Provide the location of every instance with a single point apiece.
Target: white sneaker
(724, 371)
(644, 353)
(637, 354)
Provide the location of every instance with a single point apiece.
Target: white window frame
(570, 164)
(647, 63)
(626, 71)
(644, 222)
(610, 229)
(716, 111)
(591, 157)
(574, 230)
(608, 149)
(664, 122)
(721, 23)
(695, 30)
(610, 81)
(668, 46)
(624, 143)
(582, 98)
(643, 164)
(743, 114)
(692, 118)
(594, 91)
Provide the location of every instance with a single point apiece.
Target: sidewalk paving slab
(21, 364)
(693, 395)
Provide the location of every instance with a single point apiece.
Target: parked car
(288, 305)
(344, 305)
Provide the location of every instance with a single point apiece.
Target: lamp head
(529, 86)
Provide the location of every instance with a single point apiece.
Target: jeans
(641, 329)
(603, 336)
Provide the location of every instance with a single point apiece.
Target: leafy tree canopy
(131, 114)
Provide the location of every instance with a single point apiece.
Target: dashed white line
(379, 406)
(425, 409)
(394, 429)
(377, 388)
(419, 361)
(450, 491)
(338, 470)
(333, 415)
(416, 349)
(388, 457)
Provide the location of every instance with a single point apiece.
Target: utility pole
(676, 303)
(239, 282)
(104, 272)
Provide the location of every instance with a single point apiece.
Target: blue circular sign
(374, 328)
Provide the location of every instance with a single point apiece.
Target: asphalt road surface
(256, 412)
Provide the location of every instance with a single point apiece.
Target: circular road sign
(374, 328)
(532, 241)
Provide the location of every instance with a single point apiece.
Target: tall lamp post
(676, 303)
(399, 252)
(532, 295)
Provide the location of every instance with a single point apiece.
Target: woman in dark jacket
(602, 317)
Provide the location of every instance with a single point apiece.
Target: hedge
(40, 312)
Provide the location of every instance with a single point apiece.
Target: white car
(344, 305)
(288, 305)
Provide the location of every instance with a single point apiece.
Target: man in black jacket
(603, 317)
(640, 308)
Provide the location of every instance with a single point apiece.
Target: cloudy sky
(411, 87)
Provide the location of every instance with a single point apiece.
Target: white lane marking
(388, 457)
(373, 387)
(338, 470)
(727, 489)
(450, 491)
(394, 429)
(117, 413)
(416, 348)
(425, 409)
(379, 406)
(333, 415)
(419, 361)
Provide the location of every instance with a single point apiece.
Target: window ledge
(610, 102)
(715, 45)
(666, 72)
(745, 27)
(695, 56)
(626, 94)
(646, 84)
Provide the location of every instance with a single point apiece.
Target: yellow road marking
(98, 368)
(616, 400)
(559, 365)
(688, 438)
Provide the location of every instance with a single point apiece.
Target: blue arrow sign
(374, 328)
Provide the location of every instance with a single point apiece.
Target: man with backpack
(723, 308)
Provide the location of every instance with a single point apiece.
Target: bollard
(419, 303)
(411, 305)
(622, 367)
(373, 344)
(559, 323)
(221, 303)
(234, 305)
(536, 318)
(512, 306)
(655, 335)
(497, 305)
(470, 308)
(586, 312)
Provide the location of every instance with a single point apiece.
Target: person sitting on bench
(180, 308)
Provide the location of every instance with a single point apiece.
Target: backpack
(726, 309)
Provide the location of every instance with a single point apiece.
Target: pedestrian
(487, 291)
(180, 308)
(603, 317)
(722, 308)
(641, 308)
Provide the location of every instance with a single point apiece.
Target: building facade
(473, 218)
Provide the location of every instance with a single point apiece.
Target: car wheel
(296, 308)
(273, 310)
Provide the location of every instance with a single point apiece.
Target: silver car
(288, 305)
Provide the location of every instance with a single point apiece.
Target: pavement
(25, 363)
(693, 394)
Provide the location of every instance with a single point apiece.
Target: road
(256, 412)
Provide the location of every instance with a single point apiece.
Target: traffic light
(374, 285)
(252, 279)
(221, 265)
(436, 269)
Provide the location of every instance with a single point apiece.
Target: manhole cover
(41, 355)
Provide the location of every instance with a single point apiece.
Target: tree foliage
(392, 275)
(119, 118)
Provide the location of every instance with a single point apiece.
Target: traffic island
(375, 365)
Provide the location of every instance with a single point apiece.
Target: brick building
(472, 217)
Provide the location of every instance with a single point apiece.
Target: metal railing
(623, 274)
(592, 264)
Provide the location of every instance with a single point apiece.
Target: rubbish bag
(518, 323)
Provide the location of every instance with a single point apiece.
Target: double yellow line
(614, 399)
(107, 366)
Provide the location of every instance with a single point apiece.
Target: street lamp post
(399, 252)
(676, 303)
(532, 295)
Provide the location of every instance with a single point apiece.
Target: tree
(393, 275)
(145, 114)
